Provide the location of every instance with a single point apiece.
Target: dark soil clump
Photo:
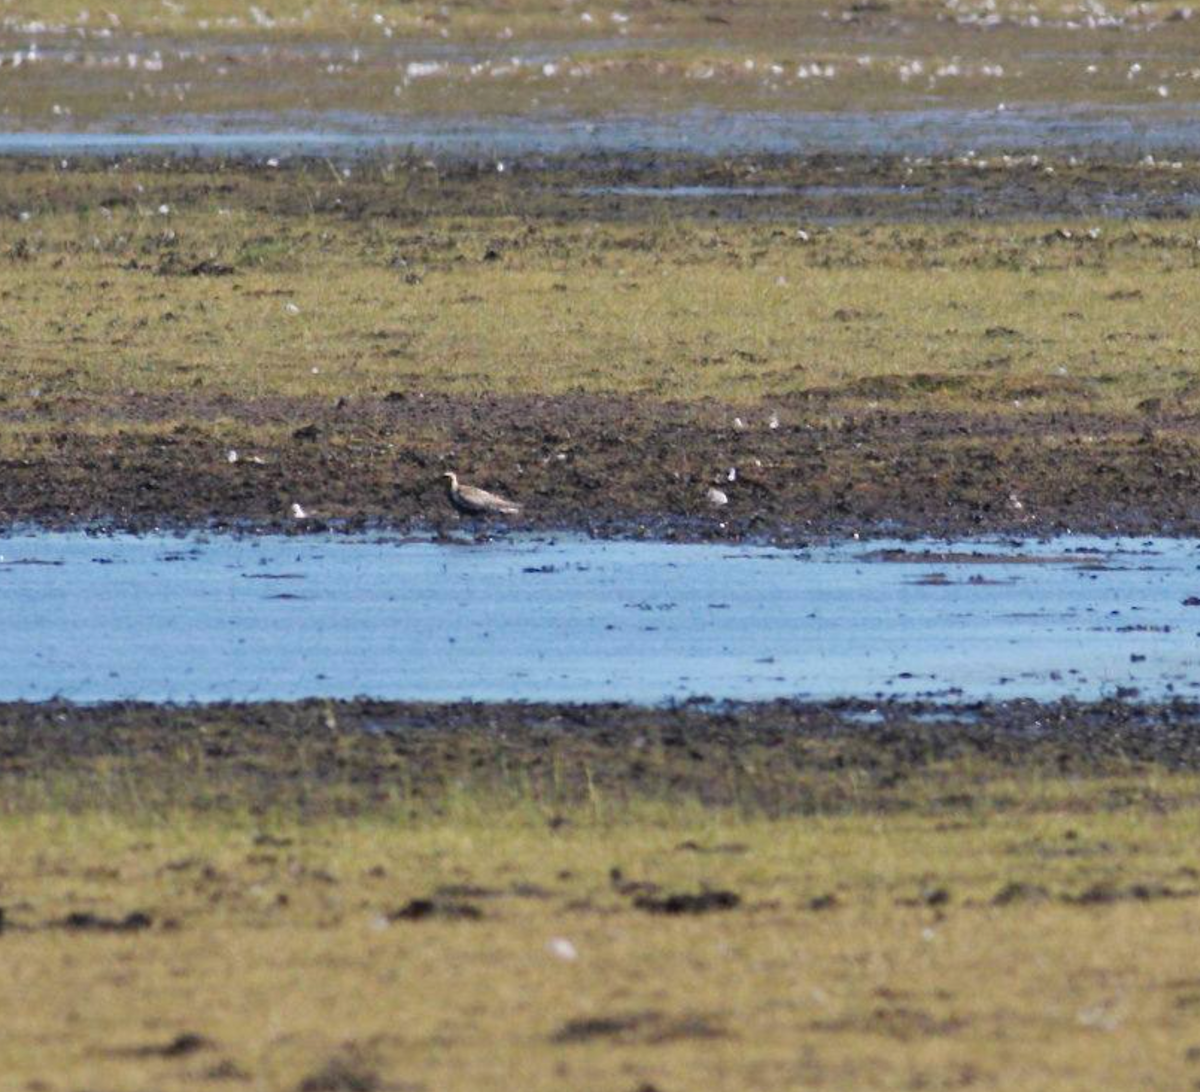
(82, 921)
(684, 902)
(446, 909)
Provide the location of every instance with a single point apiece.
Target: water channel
(206, 617)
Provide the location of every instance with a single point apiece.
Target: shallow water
(1092, 132)
(708, 192)
(209, 617)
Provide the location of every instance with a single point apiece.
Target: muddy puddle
(221, 617)
(1095, 133)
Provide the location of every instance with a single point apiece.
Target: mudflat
(192, 343)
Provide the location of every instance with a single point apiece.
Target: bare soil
(609, 465)
(781, 757)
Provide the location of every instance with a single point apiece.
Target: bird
(477, 502)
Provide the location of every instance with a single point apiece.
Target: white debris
(419, 69)
(563, 949)
(298, 512)
(291, 309)
(164, 210)
(717, 497)
(231, 456)
(731, 475)
(1099, 1016)
(740, 425)
(773, 423)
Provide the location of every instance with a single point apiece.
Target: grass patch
(896, 951)
(170, 284)
(475, 896)
(137, 62)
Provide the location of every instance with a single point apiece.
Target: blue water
(210, 617)
(1124, 132)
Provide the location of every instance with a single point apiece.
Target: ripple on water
(257, 617)
(1122, 132)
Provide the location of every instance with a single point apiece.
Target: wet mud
(636, 185)
(354, 757)
(612, 465)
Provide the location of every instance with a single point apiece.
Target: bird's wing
(483, 499)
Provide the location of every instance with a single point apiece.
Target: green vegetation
(135, 283)
(1006, 929)
(136, 62)
(345, 18)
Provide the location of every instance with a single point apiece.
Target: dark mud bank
(610, 465)
(637, 186)
(779, 755)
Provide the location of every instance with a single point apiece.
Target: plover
(477, 502)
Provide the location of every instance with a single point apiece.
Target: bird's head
(451, 478)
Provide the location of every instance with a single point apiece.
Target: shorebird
(477, 502)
